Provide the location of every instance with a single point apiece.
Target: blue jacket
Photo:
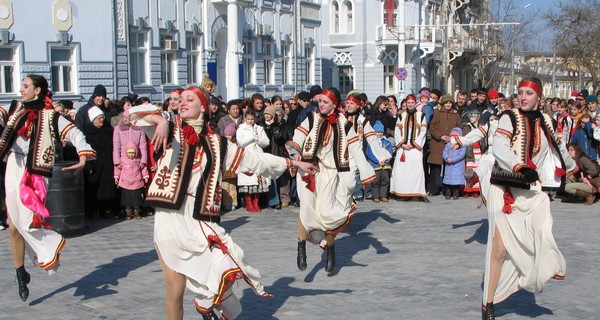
(584, 137)
(454, 173)
(428, 111)
(387, 145)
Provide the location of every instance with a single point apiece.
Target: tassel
(559, 172)
(310, 182)
(215, 241)
(508, 201)
(402, 157)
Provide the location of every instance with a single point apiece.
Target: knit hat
(378, 126)
(303, 95)
(315, 90)
(270, 110)
(446, 98)
(492, 94)
(94, 112)
(591, 98)
(99, 90)
(230, 130)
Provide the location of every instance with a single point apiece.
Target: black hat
(99, 90)
(315, 90)
(303, 95)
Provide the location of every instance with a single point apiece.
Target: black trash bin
(65, 200)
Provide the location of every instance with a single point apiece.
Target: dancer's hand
(162, 132)
(76, 167)
(305, 166)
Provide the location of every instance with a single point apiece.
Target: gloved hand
(530, 174)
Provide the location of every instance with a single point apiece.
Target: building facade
(366, 42)
(150, 47)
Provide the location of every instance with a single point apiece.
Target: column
(232, 59)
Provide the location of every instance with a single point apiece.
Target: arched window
(348, 24)
(335, 10)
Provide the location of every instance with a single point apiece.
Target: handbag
(508, 178)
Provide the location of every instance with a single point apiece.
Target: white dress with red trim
(532, 256)
(408, 177)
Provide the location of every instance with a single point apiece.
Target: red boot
(249, 205)
(255, 202)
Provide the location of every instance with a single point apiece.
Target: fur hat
(99, 90)
(94, 112)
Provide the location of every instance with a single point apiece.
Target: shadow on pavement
(522, 303)
(256, 307)
(480, 234)
(230, 225)
(104, 280)
(353, 241)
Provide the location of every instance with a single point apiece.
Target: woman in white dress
(194, 251)
(408, 178)
(327, 139)
(521, 252)
(27, 143)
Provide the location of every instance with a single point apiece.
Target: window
(248, 61)
(8, 72)
(168, 59)
(389, 78)
(62, 69)
(342, 21)
(390, 13)
(335, 8)
(309, 49)
(268, 60)
(193, 58)
(345, 79)
(138, 42)
(285, 62)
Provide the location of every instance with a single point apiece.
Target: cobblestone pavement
(397, 260)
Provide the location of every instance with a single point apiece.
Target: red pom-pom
(310, 182)
(508, 201)
(190, 135)
(559, 172)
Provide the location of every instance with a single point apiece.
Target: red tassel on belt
(310, 182)
(508, 201)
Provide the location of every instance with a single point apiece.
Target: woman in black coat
(99, 174)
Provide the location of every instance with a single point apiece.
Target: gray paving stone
(397, 260)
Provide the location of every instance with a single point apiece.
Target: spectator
(99, 180)
(232, 117)
(130, 176)
(97, 99)
(454, 172)
(587, 181)
(381, 185)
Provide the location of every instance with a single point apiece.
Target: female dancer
(194, 251)
(27, 142)
(521, 252)
(326, 206)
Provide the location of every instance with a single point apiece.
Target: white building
(151, 47)
(365, 42)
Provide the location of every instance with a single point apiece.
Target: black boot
(23, 279)
(330, 258)
(301, 259)
(487, 312)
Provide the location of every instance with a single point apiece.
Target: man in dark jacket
(97, 99)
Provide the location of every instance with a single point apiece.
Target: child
(252, 136)
(382, 168)
(229, 182)
(473, 154)
(454, 174)
(131, 176)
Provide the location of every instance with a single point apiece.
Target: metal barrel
(65, 200)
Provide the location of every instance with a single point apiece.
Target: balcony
(387, 35)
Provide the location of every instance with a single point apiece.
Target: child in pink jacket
(131, 176)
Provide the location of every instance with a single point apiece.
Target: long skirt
(532, 256)
(42, 245)
(408, 177)
(184, 245)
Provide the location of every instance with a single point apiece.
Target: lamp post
(512, 56)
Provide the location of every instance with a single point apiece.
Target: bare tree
(503, 41)
(577, 29)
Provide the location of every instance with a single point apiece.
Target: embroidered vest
(521, 143)
(41, 153)
(174, 169)
(418, 118)
(340, 140)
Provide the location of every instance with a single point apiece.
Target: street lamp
(512, 56)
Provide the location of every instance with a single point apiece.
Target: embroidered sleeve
(70, 133)
(263, 164)
(3, 116)
(295, 145)
(141, 116)
(419, 141)
(473, 136)
(505, 157)
(365, 169)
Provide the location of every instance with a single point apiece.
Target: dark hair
(234, 102)
(436, 92)
(393, 98)
(142, 100)
(40, 82)
(378, 102)
(462, 93)
(67, 104)
(276, 98)
(257, 96)
(362, 97)
(578, 151)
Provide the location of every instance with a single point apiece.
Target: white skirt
(42, 245)
(408, 178)
(183, 243)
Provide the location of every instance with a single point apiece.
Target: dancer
(521, 252)
(194, 251)
(328, 140)
(31, 128)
